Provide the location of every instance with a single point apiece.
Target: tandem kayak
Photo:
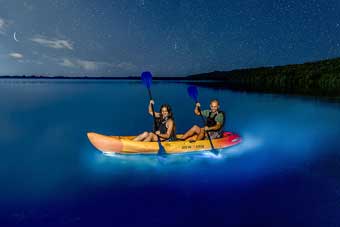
(125, 145)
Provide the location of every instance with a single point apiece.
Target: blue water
(285, 172)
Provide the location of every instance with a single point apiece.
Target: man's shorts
(214, 135)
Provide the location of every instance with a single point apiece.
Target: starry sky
(166, 37)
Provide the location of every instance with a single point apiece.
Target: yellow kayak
(125, 145)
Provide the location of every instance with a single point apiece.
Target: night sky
(166, 37)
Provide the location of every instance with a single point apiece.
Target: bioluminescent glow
(50, 159)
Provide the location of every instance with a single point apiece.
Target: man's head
(214, 105)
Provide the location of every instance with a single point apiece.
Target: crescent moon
(15, 38)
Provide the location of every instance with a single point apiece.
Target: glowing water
(50, 173)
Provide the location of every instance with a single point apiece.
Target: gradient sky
(166, 37)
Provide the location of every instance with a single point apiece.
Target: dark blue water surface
(286, 172)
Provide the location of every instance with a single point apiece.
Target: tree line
(314, 78)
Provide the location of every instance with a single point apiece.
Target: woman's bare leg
(151, 137)
(141, 137)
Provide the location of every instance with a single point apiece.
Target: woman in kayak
(164, 128)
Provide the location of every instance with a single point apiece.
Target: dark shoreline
(90, 78)
(321, 78)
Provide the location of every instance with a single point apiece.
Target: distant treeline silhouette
(315, 78)
(321, 78)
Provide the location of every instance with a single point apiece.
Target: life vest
(211, 121)
(161, 127)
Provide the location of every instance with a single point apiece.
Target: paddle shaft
(193, 93)
(153, 109)
(154, 119)
(211, 144)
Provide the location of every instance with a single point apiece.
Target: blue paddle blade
(147, 79)
(161, 150)
(193, 93)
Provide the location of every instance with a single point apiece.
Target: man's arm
(197, 107)
(213, 128)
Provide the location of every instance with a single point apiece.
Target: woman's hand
(158, 132)
(197, 109)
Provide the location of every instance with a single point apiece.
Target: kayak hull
(125, 145)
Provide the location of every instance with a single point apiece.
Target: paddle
(147, 79)
(193, 93)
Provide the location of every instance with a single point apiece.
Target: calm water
(286, 172)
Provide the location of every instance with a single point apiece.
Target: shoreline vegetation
(321, 78)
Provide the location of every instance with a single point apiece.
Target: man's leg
(195, 130)
(201, 135)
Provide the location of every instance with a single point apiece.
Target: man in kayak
(214, 123)
(165, 127)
